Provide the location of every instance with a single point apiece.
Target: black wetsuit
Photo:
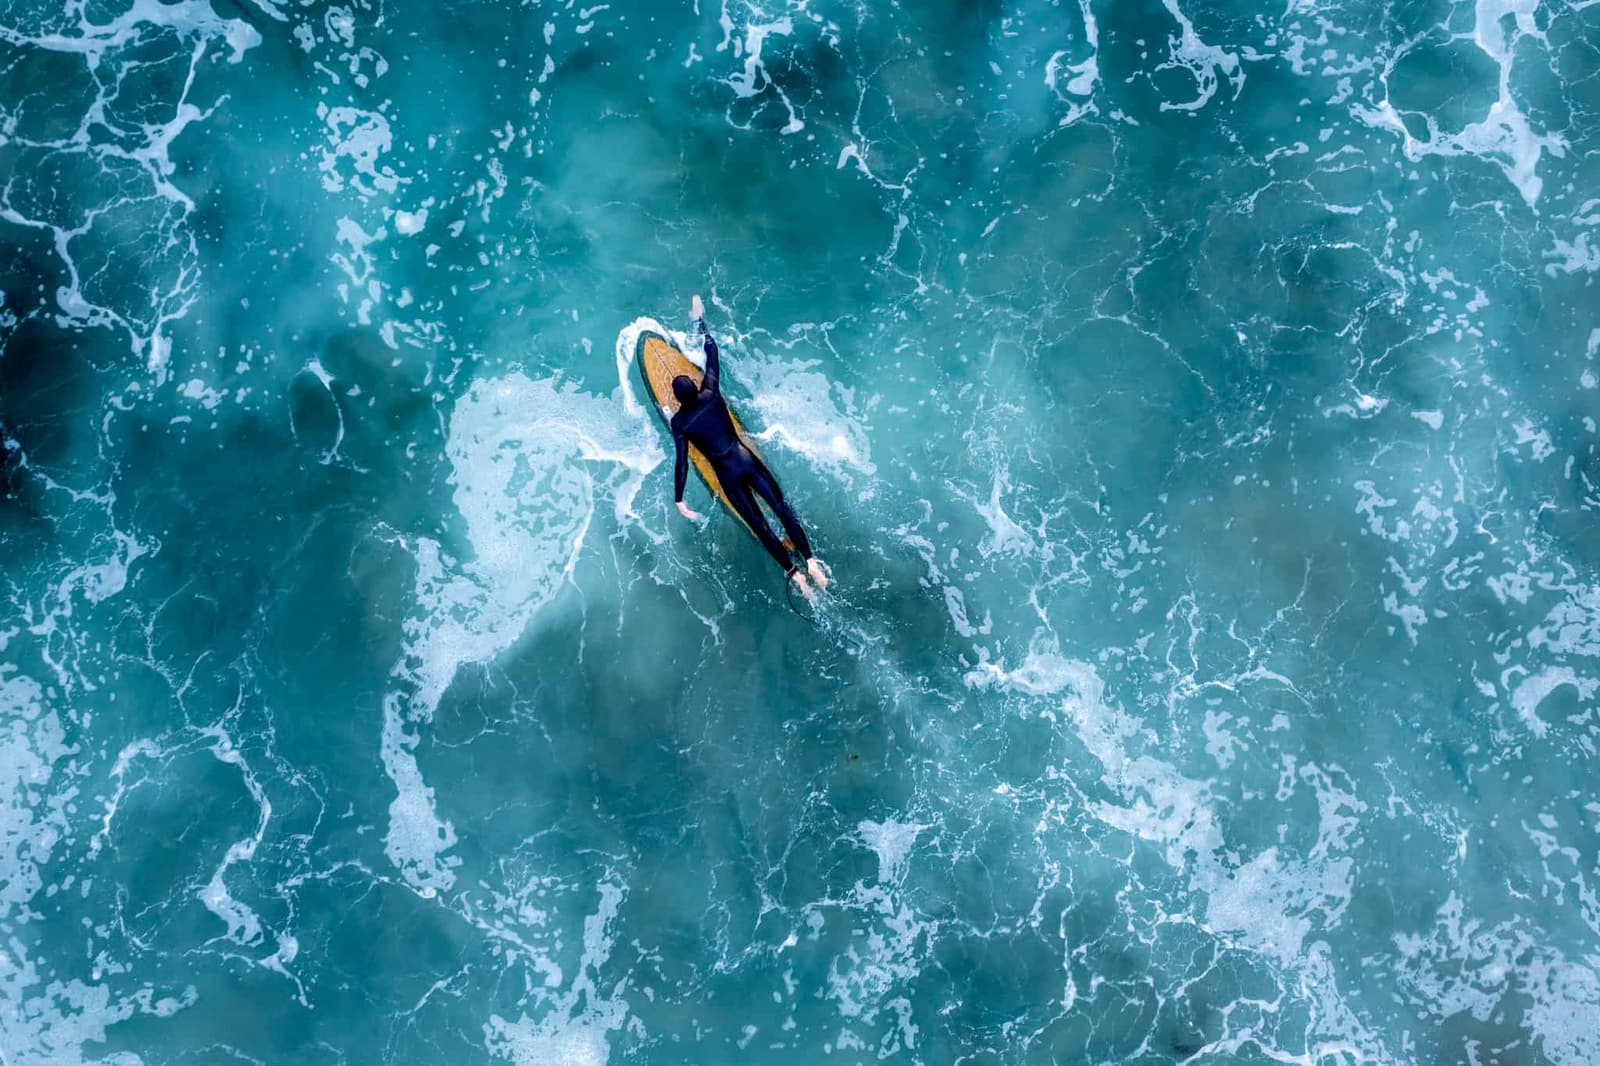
(708, 426)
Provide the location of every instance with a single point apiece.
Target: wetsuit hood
(684, 388)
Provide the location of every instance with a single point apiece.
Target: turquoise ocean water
(1196, 402)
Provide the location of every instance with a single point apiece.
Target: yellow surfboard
(659, 362)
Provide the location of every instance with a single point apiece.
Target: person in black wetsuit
(703, 421)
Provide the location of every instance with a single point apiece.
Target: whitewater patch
(529, 459)
(574, 1031)
(1572, 627)
(892, 842)
(808, 413)
(1534, 689)
(32, 742)
(1471, 967)
(1074, 83)
(1208, 63)
(360, 139)
(1504, 136)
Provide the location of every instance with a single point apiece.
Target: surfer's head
(684, 388)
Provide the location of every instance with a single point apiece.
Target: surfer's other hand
(819, 573)
(801, 583)
(688, 512)
(697, 310)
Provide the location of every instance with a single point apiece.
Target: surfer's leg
(738, 490)
(762, 481)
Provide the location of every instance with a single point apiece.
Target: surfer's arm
(680, 467)
(710, 386)
(680, 473)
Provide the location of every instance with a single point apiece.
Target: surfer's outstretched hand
(802, 584)
(697, 310)
(819, 573)
(690, 513)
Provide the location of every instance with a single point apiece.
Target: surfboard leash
(788, 594)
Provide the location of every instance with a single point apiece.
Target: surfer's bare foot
(801, 584)
(688, 512)
(697, 310)
(818, 572)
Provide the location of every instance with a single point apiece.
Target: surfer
(703, 421)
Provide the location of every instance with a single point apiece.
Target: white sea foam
(356, 262)
(1005, 537)
(409, 223)
(244, 927)
(47, 1018)
(805, 411)
(574, 1030)
(753, 78)
(1572, 627)
(1207, 62)
(1504, 135)
(315, 368)
(1074, 83)
(198, 391)
(94, 39)
(1431, 419)
(1272, 902)
(524, 455)
(357, 141)
(32, 742)
(862, 978)
(139, 154)
(1465, 966)
(954, 599)
(1535, 688)
(1572, 257)
(892, 841)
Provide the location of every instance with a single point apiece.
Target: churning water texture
(1196, 403)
